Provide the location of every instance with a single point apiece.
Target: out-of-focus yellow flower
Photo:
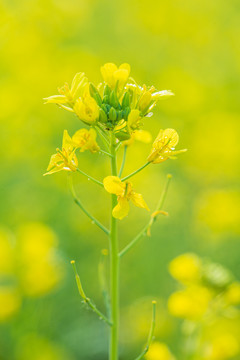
(35, 241)
(10, 302)
(40, 270)
(69, 94)
(87, 109)
(163, 147)
(190, 303)
(85, 140)
(33, 347)
(222, 347)
(232, 294)
(124, 192)
(159, 351)
(40, 277)
(6, 252)
(64, 159)
(111, 74)
(139, 135)
(186, 268)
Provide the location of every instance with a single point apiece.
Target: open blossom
(64, 159)
(111, 74)
(163, 147)
(125, 193)
(87, 109)
(68, 95)
(85, 140)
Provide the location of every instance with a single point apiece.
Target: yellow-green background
(190, 47)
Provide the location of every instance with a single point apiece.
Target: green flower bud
(107, 91)
(113, 100)
(102, 116)
(95, 94)
(122, 135)
(112, 114)
(126, 100)
(105, 99)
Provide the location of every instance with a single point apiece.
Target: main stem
(114, 267)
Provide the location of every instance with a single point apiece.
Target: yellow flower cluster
(115, 109)
(37, 270)
(208, 296)
(117, 104)
(66, 158)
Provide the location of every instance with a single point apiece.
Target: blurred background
(190, 47)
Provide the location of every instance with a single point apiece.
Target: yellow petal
(171, 137)
(121, 209)
(56, 99)
(113, 185)
(143, 136)
(133, 117)
(138, 200)
(67, 141)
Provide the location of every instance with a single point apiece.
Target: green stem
(123, 161)
(105, 153)
(114, 267)
(136, 171)
(78, 202)
(151, 332)
(90, 177)
(152, 219)
(85, 298)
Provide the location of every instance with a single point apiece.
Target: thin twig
(147, 227)
(136, 171)
(151, 332)
(78, 202)
(90, 177)
(85, 298)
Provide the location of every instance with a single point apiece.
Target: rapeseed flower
(85, 140)
(159, 351)
(64, 159)
(163, 147)
(87, 109)
(125, 193)
(112, 74)
(69, 94)
(191, 303)
(186, 268)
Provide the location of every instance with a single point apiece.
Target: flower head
(85, 140)
(124, 192)
(87, 109)
(111, 74)
(186, 268)
(64, 159)
(163, 147)
(68, 95)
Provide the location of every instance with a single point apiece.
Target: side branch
(85, 298)
(151, 332)
(147, 227)
(90, 177)
(136, 171)
(78, 202)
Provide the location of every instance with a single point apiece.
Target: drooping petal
(67, 141)
(138, 200)
(143, 136)
(113, 185)
(121, 209)
(56, 99)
